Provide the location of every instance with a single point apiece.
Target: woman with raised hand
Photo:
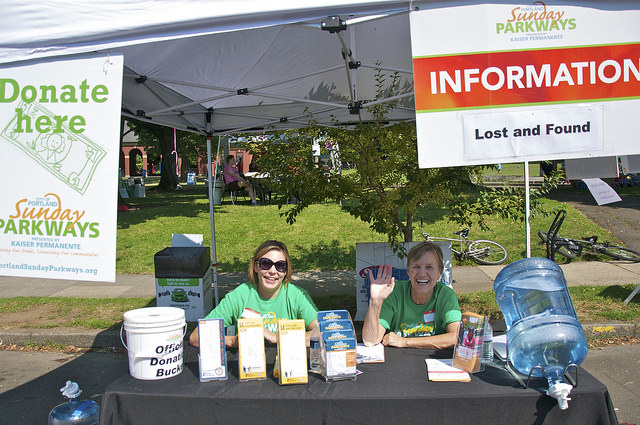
(422, 312)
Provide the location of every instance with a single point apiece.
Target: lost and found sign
(59, 132)
(518, 82)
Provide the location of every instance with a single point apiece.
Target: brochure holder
(333, 346)
(467, 354)
(212, 358)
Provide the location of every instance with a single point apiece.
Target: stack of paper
(374, 354)
(442, 370)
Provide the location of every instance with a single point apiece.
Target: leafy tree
(159, 141)
(388, 188)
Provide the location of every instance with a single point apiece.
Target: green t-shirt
(291, 302)
(401, 315)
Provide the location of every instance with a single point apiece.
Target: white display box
(192, 294)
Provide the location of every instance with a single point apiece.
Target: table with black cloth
(394, 392)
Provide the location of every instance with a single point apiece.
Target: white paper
(443, 370)
(601, 191)
(374, 354)
(293, 361)
(251, 350)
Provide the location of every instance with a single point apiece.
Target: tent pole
(527, 211)
(213, 223)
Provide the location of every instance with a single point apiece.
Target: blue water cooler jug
(74, 411)
(542, 326)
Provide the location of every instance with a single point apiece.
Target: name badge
(250, 314)
(429, 316)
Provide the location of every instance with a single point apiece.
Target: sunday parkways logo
(535, 18)
(47, 215)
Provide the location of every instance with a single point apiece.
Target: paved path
(465, 279)
(622, 218)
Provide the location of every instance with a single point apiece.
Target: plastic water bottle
(487, 344)
(74, 411)
(542, 326)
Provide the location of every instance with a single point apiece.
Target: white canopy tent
(253, 65)
(218, 67)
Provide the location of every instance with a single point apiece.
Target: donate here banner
(535, 81)
(59, 133)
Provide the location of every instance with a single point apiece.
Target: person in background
(235, 181)
(420, 313)
(268, 295)
(253, 167)
(240, 167)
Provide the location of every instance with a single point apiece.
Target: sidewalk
(466, 279)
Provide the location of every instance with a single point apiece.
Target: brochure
(292, 352)
(373, 354)
(443, 370)
(251, 355)
(212, 358)
(467, 353)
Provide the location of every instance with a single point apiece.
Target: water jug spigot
(71, 390)
(560, 391)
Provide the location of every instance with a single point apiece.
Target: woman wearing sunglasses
(268, 295)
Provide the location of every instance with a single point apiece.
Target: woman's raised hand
(382, 286)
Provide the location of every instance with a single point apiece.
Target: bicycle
(572, 248)
(482, 251)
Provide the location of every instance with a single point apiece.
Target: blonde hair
(262, 250)
(422, 248)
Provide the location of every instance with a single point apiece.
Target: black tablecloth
(395, 392)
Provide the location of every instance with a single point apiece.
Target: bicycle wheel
(487, 252)
(619, 253)
(562, 250)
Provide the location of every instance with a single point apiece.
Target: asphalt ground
(30, 380)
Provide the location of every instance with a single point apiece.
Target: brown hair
(262, 250)
(422, 248)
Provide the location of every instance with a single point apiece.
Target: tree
(159, 141)
(388, 188)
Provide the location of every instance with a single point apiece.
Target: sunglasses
(266, 264)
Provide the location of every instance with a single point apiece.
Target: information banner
(514, 82)
(59, 132)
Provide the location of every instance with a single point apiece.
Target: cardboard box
(292, 352)
(193, 295)
(252, 363)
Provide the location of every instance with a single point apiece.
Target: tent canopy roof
(242, 66)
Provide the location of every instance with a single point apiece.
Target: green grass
(323, 238)
(592, 303)
(87, 313)
(515, 169)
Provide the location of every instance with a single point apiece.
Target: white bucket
(154, 341)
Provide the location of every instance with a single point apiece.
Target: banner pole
(527, 207)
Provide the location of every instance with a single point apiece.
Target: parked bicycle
(572, 248)
(482, 251)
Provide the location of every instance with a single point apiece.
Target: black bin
(182, 262)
